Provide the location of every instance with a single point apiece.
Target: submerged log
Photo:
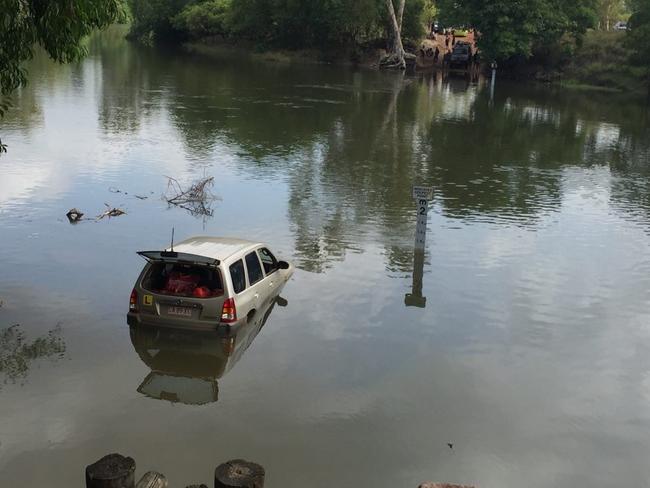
(112, 471)
(152, 480)
(442, 485)
(239, 474)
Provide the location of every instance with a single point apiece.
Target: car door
(255, 292)
(270, 264)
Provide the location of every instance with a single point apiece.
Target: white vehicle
(620, 26)
(207, 282)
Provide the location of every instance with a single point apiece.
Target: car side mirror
(283, 265)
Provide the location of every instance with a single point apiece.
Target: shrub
(153, 18)
(210, 18)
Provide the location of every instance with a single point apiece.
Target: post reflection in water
(415, 298)
(186, 364)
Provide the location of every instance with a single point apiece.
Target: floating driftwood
(196, 199)
(110, 212)
(74, 215)
(442, 485)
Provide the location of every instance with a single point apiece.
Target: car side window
(237, 276)
(268, 261)
(254, 268)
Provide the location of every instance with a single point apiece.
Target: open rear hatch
(178, 257)
(180, 286)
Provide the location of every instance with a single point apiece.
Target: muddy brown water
(531, 356)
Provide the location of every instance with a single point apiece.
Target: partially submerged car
(206, 282)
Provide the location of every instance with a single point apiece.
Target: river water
(531, 355)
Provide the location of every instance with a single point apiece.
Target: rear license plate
(180, 311)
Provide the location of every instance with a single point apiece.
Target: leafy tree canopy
(638, 37)
(56, 25)
(510, 28)
(282, 23)
(610, 11)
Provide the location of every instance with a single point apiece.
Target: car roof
(220, 248)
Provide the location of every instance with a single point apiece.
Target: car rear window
(254, 269)
(186, 280)
(237, 276)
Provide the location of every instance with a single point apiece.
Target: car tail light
(133, 301)
(229, 312)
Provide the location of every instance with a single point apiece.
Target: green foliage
(152, 19)
(325, 24)
(204, 19)
(429, 12)
(603, 60)
(511, 28)
(638, 37)
(307, 23)
(57, 25)
(124, 12)
(611, 11)
(414, 19)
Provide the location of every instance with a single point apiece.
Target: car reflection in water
(186, 364)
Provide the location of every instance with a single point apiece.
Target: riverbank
(365, 56)
(601, 62)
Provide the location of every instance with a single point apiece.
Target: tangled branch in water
(196, 199)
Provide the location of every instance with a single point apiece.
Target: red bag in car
(202, 292)
(181, 284)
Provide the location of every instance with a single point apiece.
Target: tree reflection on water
(17, 354)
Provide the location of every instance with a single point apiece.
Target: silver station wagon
(207, 282)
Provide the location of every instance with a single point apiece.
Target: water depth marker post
(422, 195)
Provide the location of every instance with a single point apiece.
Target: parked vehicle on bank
(620, 26)
(206, 282)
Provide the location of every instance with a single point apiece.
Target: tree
(610, 11)
(154, 19)
(396, 58)
(510, 28)
(429, 13)
(57, 26)
(638, 37)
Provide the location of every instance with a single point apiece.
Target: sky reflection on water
(531, 355)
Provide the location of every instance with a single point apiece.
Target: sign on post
(422, 196)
